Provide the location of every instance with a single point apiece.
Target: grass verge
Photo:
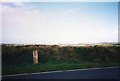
(51, 66)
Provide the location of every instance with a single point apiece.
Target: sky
(59, 22)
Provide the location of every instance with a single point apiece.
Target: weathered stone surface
(35, 56)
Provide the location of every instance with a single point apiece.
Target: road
(94, 73)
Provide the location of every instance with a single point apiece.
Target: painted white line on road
(60, 71)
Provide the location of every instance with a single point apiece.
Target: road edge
(59, 71)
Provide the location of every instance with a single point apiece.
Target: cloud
(23, 24)
(60, 0)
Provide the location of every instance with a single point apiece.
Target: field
(18, 59)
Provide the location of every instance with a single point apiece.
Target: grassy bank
(51, 66)
(18, 59)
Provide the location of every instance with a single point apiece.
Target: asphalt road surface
(94, 73)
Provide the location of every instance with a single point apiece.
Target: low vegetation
(18, 59)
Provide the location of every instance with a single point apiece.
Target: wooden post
(35, 57)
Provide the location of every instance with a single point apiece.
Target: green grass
(50, 66)
(17, 60)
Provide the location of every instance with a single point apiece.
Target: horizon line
(56, 43)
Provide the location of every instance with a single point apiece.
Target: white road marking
(60, 71)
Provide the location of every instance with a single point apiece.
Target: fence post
(35, 57)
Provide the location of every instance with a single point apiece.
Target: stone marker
(35, 57)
